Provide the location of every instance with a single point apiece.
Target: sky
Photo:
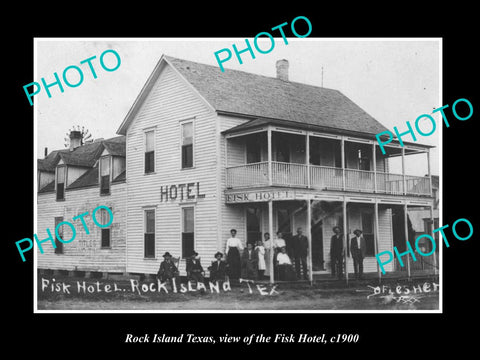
(394, 80)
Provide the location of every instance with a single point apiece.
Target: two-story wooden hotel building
(203, 151)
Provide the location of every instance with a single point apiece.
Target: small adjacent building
(203, 151)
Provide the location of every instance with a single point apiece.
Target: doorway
(318, 261)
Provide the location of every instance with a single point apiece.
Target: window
(105, 234)
(188, 231)
(105, 175)
(58, 243)
(149, 238)
(187, 144)
(368, 235)
(61, 183)
(149, 151)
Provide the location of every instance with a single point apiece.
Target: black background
(61, 335)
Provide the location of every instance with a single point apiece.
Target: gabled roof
(85, 155)
(49, 163)
(256, 96)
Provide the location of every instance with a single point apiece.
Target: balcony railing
(325, 177)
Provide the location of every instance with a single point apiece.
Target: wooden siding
(170, 101)
(231, 216)
(84, 253)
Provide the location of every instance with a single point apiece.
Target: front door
(318, 261)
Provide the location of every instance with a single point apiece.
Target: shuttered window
(149, 235)
(149, 151)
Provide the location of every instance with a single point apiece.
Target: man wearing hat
(194, 268)
(357, 249)
(167, 271)
(218, 268)
(336, 252)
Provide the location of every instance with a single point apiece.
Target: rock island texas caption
(248, 339)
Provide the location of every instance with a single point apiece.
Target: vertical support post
(403, 172)
(270, 230)
(269, 151)
(377, 230)
(432, 226)
(343, 163)
(345, 238)
(374, 151)
(429, 172)
(309, 232)
(406, 238)
(307, 155)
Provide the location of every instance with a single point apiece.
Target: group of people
(252, 262)
(357, 248)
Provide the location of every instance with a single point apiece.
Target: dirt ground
(91, 294)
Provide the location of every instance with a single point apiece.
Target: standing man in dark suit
(300, 252)
(357, 249)
(336, 252)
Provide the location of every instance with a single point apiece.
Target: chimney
(75, 139)
(46, 152)
(282, 69)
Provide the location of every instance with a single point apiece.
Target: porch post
(269, 151)
(429, 173)
(374, 167)
(431, 232)
(376, 238)
(345, 237)
(307, 155)
(403, 172)
(343, 162)
(309, 232)
(406, 237)
(270, 230)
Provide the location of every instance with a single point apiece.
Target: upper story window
(187, 144)
(149, 151)
(105, 175)
(60, 182)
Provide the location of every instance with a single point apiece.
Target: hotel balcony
(325, 178)
(269, 157)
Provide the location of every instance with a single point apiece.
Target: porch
(279, 156)
(325, 178)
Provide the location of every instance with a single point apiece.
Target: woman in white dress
(232, 251)
(260, 249)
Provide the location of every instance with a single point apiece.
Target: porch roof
(260, 122)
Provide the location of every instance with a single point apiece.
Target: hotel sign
(258, 196)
